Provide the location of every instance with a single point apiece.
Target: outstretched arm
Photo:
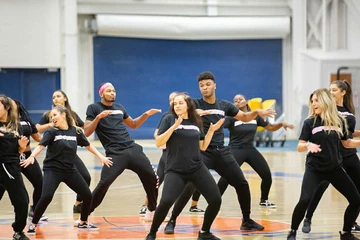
(248, 116)
(137, 122)
(276, 126)
(31, 158)
(102, 158)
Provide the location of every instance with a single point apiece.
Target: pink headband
(105, 85)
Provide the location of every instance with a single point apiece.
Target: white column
(69, 68)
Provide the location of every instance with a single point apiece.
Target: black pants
(73, 180)
(134, 159)
(222, 161)
(34, 175)
(160, 171)
(83, 172)
(12, 181)
(174, 184)
(254, 158)
(351, 165)
(341, 181)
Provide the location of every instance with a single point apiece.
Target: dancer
(12, 143)
(181, 131)
(242, 147)
(342, 94)
(108, 120)
(60, 99)
(322, 134)
(59, 165)
(217, 156)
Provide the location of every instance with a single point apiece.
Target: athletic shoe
(87, 226)
(291, 235)
(347, 236)
(77, 222)
(307, 226)
(170, 227)
(207, 235)
(151, 236)
(355, 228)
(77, 208)
(195, 209)
(267, 203)
(20, 236)
(32, 229)
(250, 225)
(44, 218)
(142, 210)
(149, 215)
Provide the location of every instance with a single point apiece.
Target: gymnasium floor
(117, 217)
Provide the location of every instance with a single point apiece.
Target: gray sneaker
(307, 226)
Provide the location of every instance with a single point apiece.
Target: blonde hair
(329, 113)
(12, 118)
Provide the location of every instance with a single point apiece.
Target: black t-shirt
(218, 110)
(351, 122)
(242, 133)
(62, 146)
(9, 146)
(162, 117)
(183, 149)
(111, 130)
(28, 128)
(329, 159)
(46, 119)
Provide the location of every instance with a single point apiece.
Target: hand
(313, 148)
(266, 113)
(27, 162)
(177, 122)
(152, 111)
(216, 126)
(201, 112)
(104, 113)
(286, 126)
(23, 141)
(106, 161)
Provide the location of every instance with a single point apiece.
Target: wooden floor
(117, 217)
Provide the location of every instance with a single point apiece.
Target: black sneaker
(142, 210)
(307, 226)
(151, 236)
(87, 226)
(291, 235)
(347, 236)
(32, 229)
(170, 227)
(195, 209)
(77, 208)
(267, 203)
(207, 235)
(355, 228)
(250, 225)
(20, 236)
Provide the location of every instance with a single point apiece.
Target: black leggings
(34, 175)
(73, 180)
(12, 181)
(160, 171)
(254, 158)
(222, 161)
(174, 184)
(134, 159)
(351, 165)
(83, 172)
(341, 181)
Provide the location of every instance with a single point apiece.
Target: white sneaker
(77, 222)
(44, 218)
(149, 215)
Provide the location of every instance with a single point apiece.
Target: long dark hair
(348, 100)
(12, 118)
(67, 106)
(193, 115)
(23, 113)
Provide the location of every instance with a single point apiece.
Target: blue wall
(145, 71)
(32, 87)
